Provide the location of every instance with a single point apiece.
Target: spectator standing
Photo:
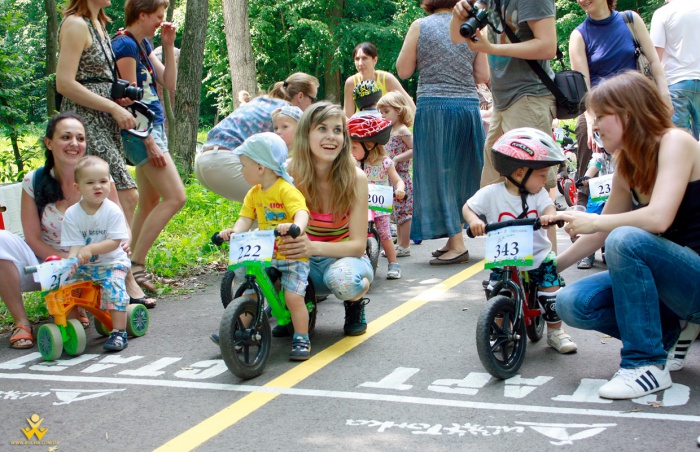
(448, 135)
(675, 32)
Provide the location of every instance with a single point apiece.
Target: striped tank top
(322, 228)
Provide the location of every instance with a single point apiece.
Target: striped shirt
(322, 228)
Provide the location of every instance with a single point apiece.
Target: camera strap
(539, 70)
(113, 67)
(142, 52)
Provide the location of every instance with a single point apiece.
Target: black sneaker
(355, 323)
(116, 342)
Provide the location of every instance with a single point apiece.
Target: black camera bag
(569, 86)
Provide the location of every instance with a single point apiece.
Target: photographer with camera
(520, 99)
(86, 76)
(161, 192)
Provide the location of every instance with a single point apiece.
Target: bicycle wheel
(244, 346)
(77, 339)
(535, 328)
(500, 338)
(570, 192)
(50, 342)
(227, 288)
(373, 249)
(137, 320)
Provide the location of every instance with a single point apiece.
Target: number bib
(509, 246)
(381, 198)
(53, 274)
(255, 246)
(559, 134)
(600, 187)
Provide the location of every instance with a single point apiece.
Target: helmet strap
(362, 162)
(523, 192)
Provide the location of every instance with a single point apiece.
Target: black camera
(478, 19)
(122, 88)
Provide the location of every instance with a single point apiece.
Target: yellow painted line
(225, 418)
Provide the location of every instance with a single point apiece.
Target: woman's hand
(155, 154)
(123, 117)
(167, 34)
(298, 248)
(577, 223)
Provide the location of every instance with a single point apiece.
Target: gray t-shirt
(512, 78)
(445, 69)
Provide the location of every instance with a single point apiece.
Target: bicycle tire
(536, 328)
(226, 290)
(374, 249)
(253, 341)
(570, 192)
(501, 345)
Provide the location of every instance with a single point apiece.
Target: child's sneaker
(586, 262)
(679, 351)
(403, 252)
(636, 382)
(560, 341)
(394, 271)
(117, 341)
(301, 350)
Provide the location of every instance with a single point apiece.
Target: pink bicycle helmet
(369, 128)
(525, 147)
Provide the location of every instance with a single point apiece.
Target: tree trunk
(167, 105)
(51, 52)
(189, 86)
(240, 49)
(333, 87)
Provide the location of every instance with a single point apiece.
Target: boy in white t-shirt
(94, 228)
(524, 157)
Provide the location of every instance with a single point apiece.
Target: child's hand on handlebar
(400, 194)
(84, 255)
(283, 228)
(547, 220)
(226, 234)
(477, 227)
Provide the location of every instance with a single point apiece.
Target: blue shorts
(111, 281)
(134, 149)
(340, 277)
(544, 276)
(295, 275)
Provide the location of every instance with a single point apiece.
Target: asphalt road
(413, 382)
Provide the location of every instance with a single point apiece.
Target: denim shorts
(295, 275)
(135, 150)
(340, 277)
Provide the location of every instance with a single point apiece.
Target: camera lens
(133, 93)
(469, 27)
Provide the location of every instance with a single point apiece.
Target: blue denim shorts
(134, 149)
(340, 277)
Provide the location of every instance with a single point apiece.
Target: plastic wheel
(227, 288)
(245, 347)
(137, 320)
(50, 342)
(101, 329)
(570, 192)
(373, 249)
(500, 338)
(75, 345)
(535, 328)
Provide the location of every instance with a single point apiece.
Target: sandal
(143, 278)
(83, 318)
(149, 302)
(21, 333)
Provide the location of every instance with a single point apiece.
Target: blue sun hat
(291, 111)
(269, 150)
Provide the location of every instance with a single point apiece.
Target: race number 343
(509, 246)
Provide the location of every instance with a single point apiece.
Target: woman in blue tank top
(650, 225)
(601, 47)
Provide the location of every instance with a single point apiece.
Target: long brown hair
(80, 8)
(342, 177)
(645, 119)
(299, 82)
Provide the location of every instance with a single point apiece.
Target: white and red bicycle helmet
(369, 128)
(525, 147)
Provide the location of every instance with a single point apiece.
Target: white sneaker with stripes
(636, 382)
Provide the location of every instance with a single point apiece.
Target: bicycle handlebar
(294, 232)
(535, 222)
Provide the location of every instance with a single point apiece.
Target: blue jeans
(685, 97)
(651, 284)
